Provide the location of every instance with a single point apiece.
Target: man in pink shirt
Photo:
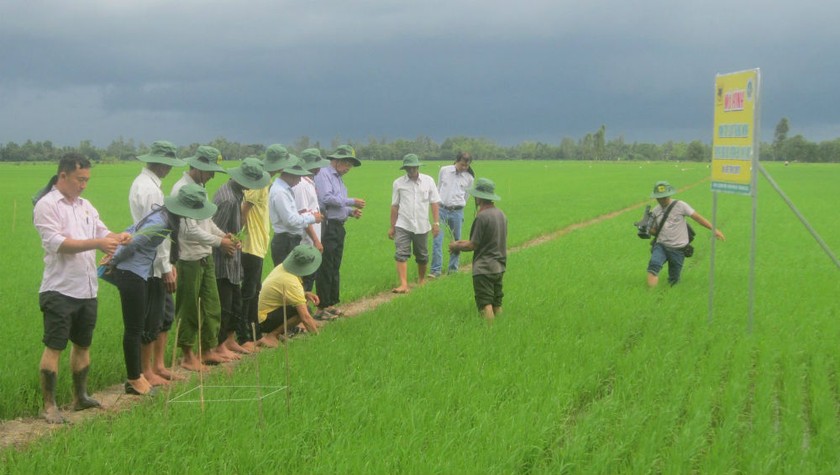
(71, 232)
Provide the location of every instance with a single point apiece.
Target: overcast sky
(510, 71)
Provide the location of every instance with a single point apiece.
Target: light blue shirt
(283, 212)
(138, 256)
(332, 194)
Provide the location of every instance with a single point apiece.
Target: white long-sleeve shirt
(145, 193)
(196, 238)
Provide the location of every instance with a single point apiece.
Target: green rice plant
(586, 371)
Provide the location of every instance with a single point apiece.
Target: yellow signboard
(735, 142)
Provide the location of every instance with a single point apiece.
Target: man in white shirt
(306, 200)
(453, 183)
(71, 232)
(145, 195)
(412, 196)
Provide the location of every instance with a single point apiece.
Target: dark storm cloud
(274, 71)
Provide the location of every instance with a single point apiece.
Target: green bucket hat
(276, 157)
(250, 174)
(295, 166)
(662, 189)
(206, 159)
(411, 160)
(484, 188)
(162, 152)
(345, 152)
(190, 202)
(312, 159)
(302, 261)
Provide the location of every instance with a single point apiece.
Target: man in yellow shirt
(282, 303)
(255, 246)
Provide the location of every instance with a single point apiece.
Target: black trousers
(134, 299)
(282, 245)
(230, 299)
(328, 279)
(252, 267)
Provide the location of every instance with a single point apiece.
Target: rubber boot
(81, 400)
(51, 412)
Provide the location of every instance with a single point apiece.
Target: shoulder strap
(664, 218)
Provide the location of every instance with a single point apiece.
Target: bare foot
(166, 374)
(269, 341)
(154, 379)
(53, 415)
(192, 364)
(211, 357)
(225, 353)
(235, 347)
(251, 347)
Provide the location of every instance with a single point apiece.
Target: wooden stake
(257, 367)
(286, 354)
(200, 362)
(174, 356)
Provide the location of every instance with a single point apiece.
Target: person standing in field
(228, 217)
(453, 183)
(289, 225)
(671, 236)
(412, 196)
(197, 271)
(336, 207)
(306, 200)
(132, 266)
(488, 241)
(144, 195)
(255, 244)
(71, 232)
(282, 298)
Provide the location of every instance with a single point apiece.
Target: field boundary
(20, 432)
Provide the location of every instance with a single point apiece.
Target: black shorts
(274, 320)
(488, 290)
(67, 318)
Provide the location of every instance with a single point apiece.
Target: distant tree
(779, 137)
(797, 148)
(599, 143)
(696, 152)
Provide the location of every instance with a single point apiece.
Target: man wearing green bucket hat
(337, 207)
(255, 245)
(289, 225)
(671, 233)
(228, 199)
(488, 240)
(144, 195)
(197, 303)
(282, 299)
(306, 200)
(412, 196)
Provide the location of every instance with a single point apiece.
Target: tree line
(592, 146)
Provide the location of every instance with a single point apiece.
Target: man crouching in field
(488, 239)
(71, 232)
(282, 303)
(670, 233)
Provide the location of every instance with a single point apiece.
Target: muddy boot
(51, 412)
(81, 400)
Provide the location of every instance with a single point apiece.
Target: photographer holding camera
(666, 223)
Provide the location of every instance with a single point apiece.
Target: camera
(643, 225)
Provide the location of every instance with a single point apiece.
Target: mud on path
(22, 431)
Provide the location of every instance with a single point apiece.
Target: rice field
(587, 371)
